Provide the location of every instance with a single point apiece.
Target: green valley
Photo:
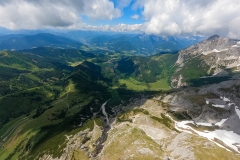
(58, 103)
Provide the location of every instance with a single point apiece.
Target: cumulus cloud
(115, 28)
(122, 3)
(126, 27)
(34, 14)
(135, 16)
(163, 17)
(174, 17)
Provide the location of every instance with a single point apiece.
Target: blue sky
(161, 17)
(126, 17)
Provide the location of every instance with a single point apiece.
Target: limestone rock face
(215, 56)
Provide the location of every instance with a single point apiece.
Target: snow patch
(235, 46)
(217, 105)
(215, 50)
(207, 102)
(229, 104)
(221, 122)
(225, 99)
(228, 137)
(205, 53)
(205, 124)
(237, 111)
(183, 123)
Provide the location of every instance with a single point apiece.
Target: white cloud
(126, 27)
(33, 14)
(115, 28)
(135, 16)
(165, 17)
(100, 9)
(173, 17)
(122, 3)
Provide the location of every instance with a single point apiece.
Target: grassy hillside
(48, 94)
(21, 71)
(194, 67)
(143, 73)
(196, 72)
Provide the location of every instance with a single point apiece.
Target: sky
(160, 17)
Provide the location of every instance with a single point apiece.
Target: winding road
(62, 100)
(12, 128)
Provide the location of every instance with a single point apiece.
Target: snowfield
(225, 99)
(219, 106)
(237, 111)
(221, 122)
(215, 50)
(227, 137)
(209, 52)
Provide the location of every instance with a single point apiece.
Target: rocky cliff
(215, 56)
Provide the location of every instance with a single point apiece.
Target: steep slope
(147, 69)
(33, 78)
(45, 117)
(214, 57)
(147, 73)
(66, 56)
(211, 111)
(31, 68)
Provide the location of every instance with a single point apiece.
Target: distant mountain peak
(214, 37)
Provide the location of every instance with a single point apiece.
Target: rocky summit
(215, 56)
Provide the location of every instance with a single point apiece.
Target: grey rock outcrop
(215, 56)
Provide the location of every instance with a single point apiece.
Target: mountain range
(21, 41)
(117, 96)
(143, 43)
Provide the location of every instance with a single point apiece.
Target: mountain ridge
(19, 42)
(213, 57)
